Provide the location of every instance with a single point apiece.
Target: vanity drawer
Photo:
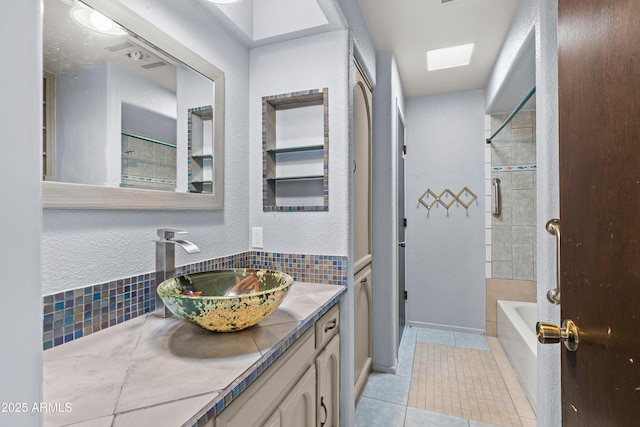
(327, 326)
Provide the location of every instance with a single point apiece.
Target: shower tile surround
(148, 163)
(72, 314)
(511, 157)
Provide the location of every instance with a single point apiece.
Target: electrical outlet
(256, 237)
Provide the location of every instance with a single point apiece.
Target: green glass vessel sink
(225, 300)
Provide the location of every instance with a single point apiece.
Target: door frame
(548, 205)
(401, 228)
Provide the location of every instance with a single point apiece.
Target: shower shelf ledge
(296, 178)
(317, 147)
(201, 156)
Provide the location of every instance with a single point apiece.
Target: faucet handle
(168, 233)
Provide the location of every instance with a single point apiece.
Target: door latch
(551, 334)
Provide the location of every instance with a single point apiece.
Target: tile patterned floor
(445, 379)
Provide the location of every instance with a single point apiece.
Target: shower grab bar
(513, 113)
(553, 228)
(497, 198)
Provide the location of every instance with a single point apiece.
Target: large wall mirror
(132, 118)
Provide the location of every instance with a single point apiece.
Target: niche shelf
(200, 150)
(295, 144)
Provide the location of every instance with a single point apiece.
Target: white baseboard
(447, 328)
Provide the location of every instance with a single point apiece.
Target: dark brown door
(599, 104)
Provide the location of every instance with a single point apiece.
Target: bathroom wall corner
(548, 204)
(387, 96)
(21, 213)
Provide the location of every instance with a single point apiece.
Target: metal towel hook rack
(447, 198)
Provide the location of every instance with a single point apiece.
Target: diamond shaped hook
(451, 194)
(426, 194)
(468, 192)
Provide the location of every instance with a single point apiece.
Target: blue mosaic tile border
(72, 314)
(327, 269)
(227, 395)
(240, 260)
(513, 168)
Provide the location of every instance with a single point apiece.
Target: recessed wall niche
(200, 152)
(295, 145)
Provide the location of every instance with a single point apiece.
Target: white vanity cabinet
(300, 389)
(299, 408)
(328, 385)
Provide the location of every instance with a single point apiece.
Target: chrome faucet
(166, 261)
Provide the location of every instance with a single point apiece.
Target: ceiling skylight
(449, 57)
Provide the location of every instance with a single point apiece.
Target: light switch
(256, 237)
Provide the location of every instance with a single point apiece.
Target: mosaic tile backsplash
(72, 314)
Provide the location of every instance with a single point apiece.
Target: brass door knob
(551, 334)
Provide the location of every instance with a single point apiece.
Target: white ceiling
(409, 28)
(261, 22)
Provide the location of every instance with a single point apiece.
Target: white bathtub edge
(520, 345)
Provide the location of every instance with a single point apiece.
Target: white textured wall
(548, 199)
(309, 63)
(80, 248)
(20, 216)
(363, 48)
(513, 50)
(446, 251)
(81, 141)
(386, 96)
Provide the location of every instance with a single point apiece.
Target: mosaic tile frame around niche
(306, 189)
(72, 314)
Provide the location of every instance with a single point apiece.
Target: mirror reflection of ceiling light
(449, 57)
(137, 55)
(95, 21)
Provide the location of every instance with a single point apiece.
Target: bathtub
(517, 335)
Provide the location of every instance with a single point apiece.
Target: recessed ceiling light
(449, 57)
(94, 20)
(223, 1)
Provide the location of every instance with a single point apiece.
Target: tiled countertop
(166, 372)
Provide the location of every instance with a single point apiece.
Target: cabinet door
(328, 376)
(362, 140)
(264, 397)
(274, 420)
(299, 408)
(363, 322)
